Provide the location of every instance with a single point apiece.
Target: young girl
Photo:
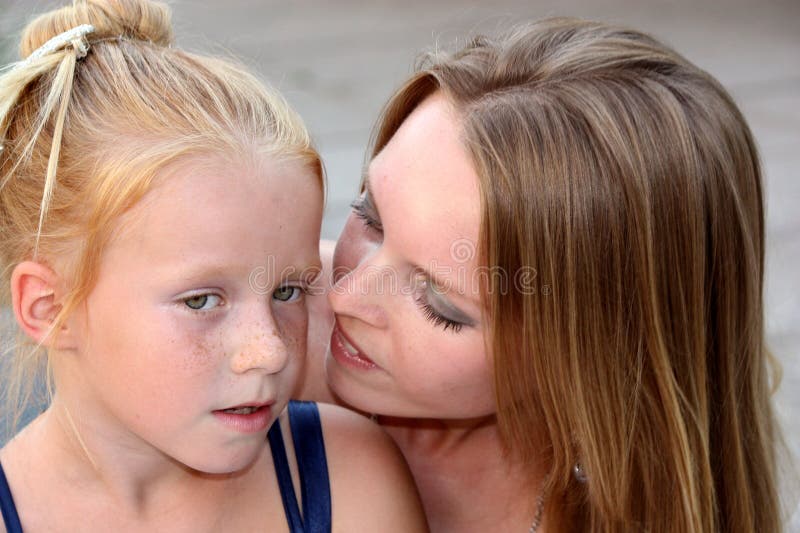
(159, 222)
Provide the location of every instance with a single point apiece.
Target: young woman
(550, 290)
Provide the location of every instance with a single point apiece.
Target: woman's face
(409, 334)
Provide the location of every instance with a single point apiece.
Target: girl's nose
(263, 350)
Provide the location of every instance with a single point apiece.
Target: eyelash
(438, 320)
(430, 313)
(361, 212)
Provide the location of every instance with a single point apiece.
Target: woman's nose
(261, 348)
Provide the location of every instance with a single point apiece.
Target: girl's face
(193, 337)
(409, 334)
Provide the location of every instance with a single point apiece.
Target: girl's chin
(224, 468)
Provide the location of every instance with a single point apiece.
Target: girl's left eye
(287, 293)
(202, 302)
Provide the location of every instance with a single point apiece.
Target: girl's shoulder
(372, 486)
(9, 519)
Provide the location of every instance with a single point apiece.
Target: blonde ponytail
(12, 84)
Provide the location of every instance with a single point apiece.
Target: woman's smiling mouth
(347, 353)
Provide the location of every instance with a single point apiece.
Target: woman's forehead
(425, 186)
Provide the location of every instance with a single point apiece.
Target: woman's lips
(252, 418)
(345, 351)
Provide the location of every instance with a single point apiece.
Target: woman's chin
(346, 389)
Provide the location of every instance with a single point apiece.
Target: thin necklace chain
(537, 518)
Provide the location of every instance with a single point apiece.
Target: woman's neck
(467, 480)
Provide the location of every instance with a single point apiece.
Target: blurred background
(338, 60)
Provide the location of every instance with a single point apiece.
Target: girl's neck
(129, 475)
(466, 478)
(49, 469)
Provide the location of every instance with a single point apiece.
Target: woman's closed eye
(364, 210)
(441, 313)
(437, 318)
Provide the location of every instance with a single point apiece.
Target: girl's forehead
(224, 212)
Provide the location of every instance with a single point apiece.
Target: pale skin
(172, 332)
(430, 386)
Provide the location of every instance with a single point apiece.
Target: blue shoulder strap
(284, 478)
(9, 510)
(312, 463)
(313, 467)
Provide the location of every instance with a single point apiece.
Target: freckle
(198, 354)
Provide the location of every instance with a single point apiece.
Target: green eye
(286, 293)
(202, 302)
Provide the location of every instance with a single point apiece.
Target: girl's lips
(346, 352)
(255, 421)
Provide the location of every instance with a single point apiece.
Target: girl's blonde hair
(84, 138)
(629, 180)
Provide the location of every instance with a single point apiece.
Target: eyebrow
(196, 271)
(202, 270)
(308, 274)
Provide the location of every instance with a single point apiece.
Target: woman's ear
(34, 289)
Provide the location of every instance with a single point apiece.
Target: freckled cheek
(195, 355)
(296, 348)
(175, 370)
(293, 334)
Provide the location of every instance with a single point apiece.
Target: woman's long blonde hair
(629, 180)
(84, 138)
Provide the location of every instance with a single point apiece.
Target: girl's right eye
(287, 293)
(364, 213)
(202, 302)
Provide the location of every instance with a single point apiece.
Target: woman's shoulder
(371, 482)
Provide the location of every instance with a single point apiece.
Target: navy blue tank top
(10, 517)
(311, 463)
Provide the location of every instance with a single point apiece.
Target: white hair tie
(76, 37)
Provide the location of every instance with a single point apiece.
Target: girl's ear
(34, 300)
